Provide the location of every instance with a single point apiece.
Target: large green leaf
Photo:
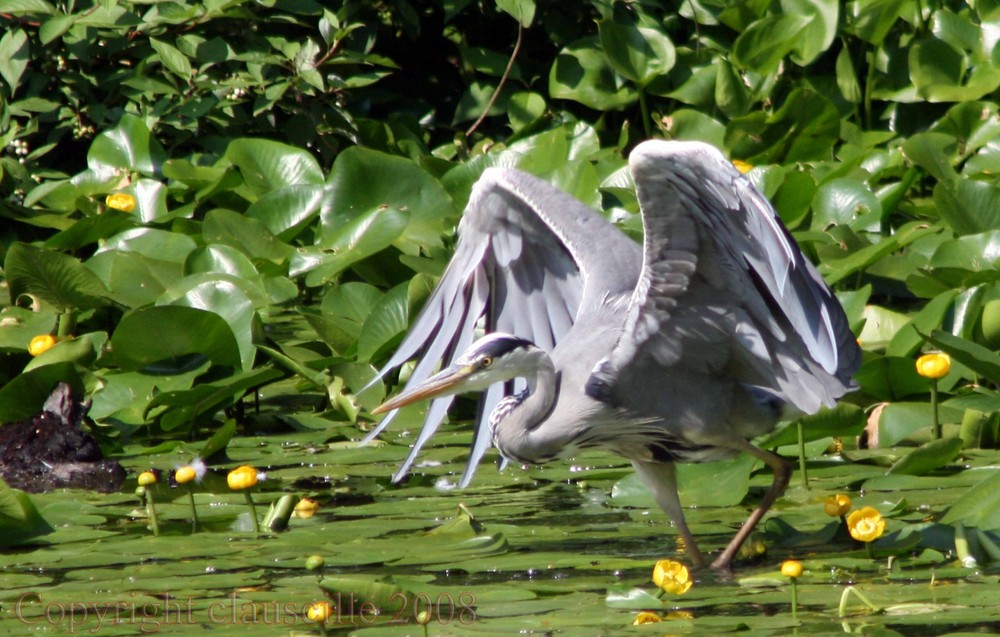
(360, 238)
(23, 396)
(872, 20)
(167, 339)
(268, 165)
(766, 42)
(819, 34)
(638, 53)
(969, 206)
(521, 10)
(844, 420)
(153, 243)
(891, 378)
(979, 506)
(14, 49)
(56, 279)
(388, 319)
(927, 457)
(581, 73)
(287, 210)
(980, 360)
(722, 484)
(393, 187)
(19, 519)
(343, 313)
(898, 421)
(224, 296)
(845, 201)
(129, 146)
(250, 236)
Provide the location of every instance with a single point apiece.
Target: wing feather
(528, 257)
(724, 287)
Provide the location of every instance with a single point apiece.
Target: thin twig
(503, 80)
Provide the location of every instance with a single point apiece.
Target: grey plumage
(682, 349)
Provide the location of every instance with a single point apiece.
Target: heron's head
(492, 359)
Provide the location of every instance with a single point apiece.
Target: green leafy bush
(297, 172)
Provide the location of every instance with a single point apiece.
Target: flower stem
(154, 523)
(253, 510)
(194, 510)
(868, 550)
(934, 409)
(802, 455)
(795, 599)
(850, 590)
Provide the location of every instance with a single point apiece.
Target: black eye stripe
(500, 346)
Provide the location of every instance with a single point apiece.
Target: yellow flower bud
(646, 617)
(242, 477)
(147, 478)
(194, 471)
(837, 505)
(791, 568)
(41, 343)
(305, 508)
(314, 562)
(742, 166)
(319, 611)
(120, 201)
(934, 365)
(672, 577)
(866, 524)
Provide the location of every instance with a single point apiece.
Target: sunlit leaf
(581, 73)
(638, 53)
(130, 146)
(927, 457)
(171, 338)
(56, 279)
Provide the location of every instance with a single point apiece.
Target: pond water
(565, 549)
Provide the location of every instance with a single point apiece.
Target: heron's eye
(486, 361)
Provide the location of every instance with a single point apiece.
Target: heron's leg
(782, 472)
(661, 480)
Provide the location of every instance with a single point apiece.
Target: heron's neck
(518, 416)
(537, 405)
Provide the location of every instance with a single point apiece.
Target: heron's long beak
(447, 381)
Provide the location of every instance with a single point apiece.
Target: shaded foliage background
(298, 170)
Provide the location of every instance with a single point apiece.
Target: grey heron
(682, 349)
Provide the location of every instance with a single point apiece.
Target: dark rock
(52, 451)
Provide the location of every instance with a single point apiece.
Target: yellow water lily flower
(319, 611)
(866, 524)
(934, 365)
(672, 577)
(791, 568)
(243, 477)
(41, 343)
(837, 505)
(742, 166)
(646, 617)
(120, 201)
(147, 478)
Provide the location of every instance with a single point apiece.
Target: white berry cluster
(20, 149)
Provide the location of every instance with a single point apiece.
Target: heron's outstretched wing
(724, 289)
(528, 257)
